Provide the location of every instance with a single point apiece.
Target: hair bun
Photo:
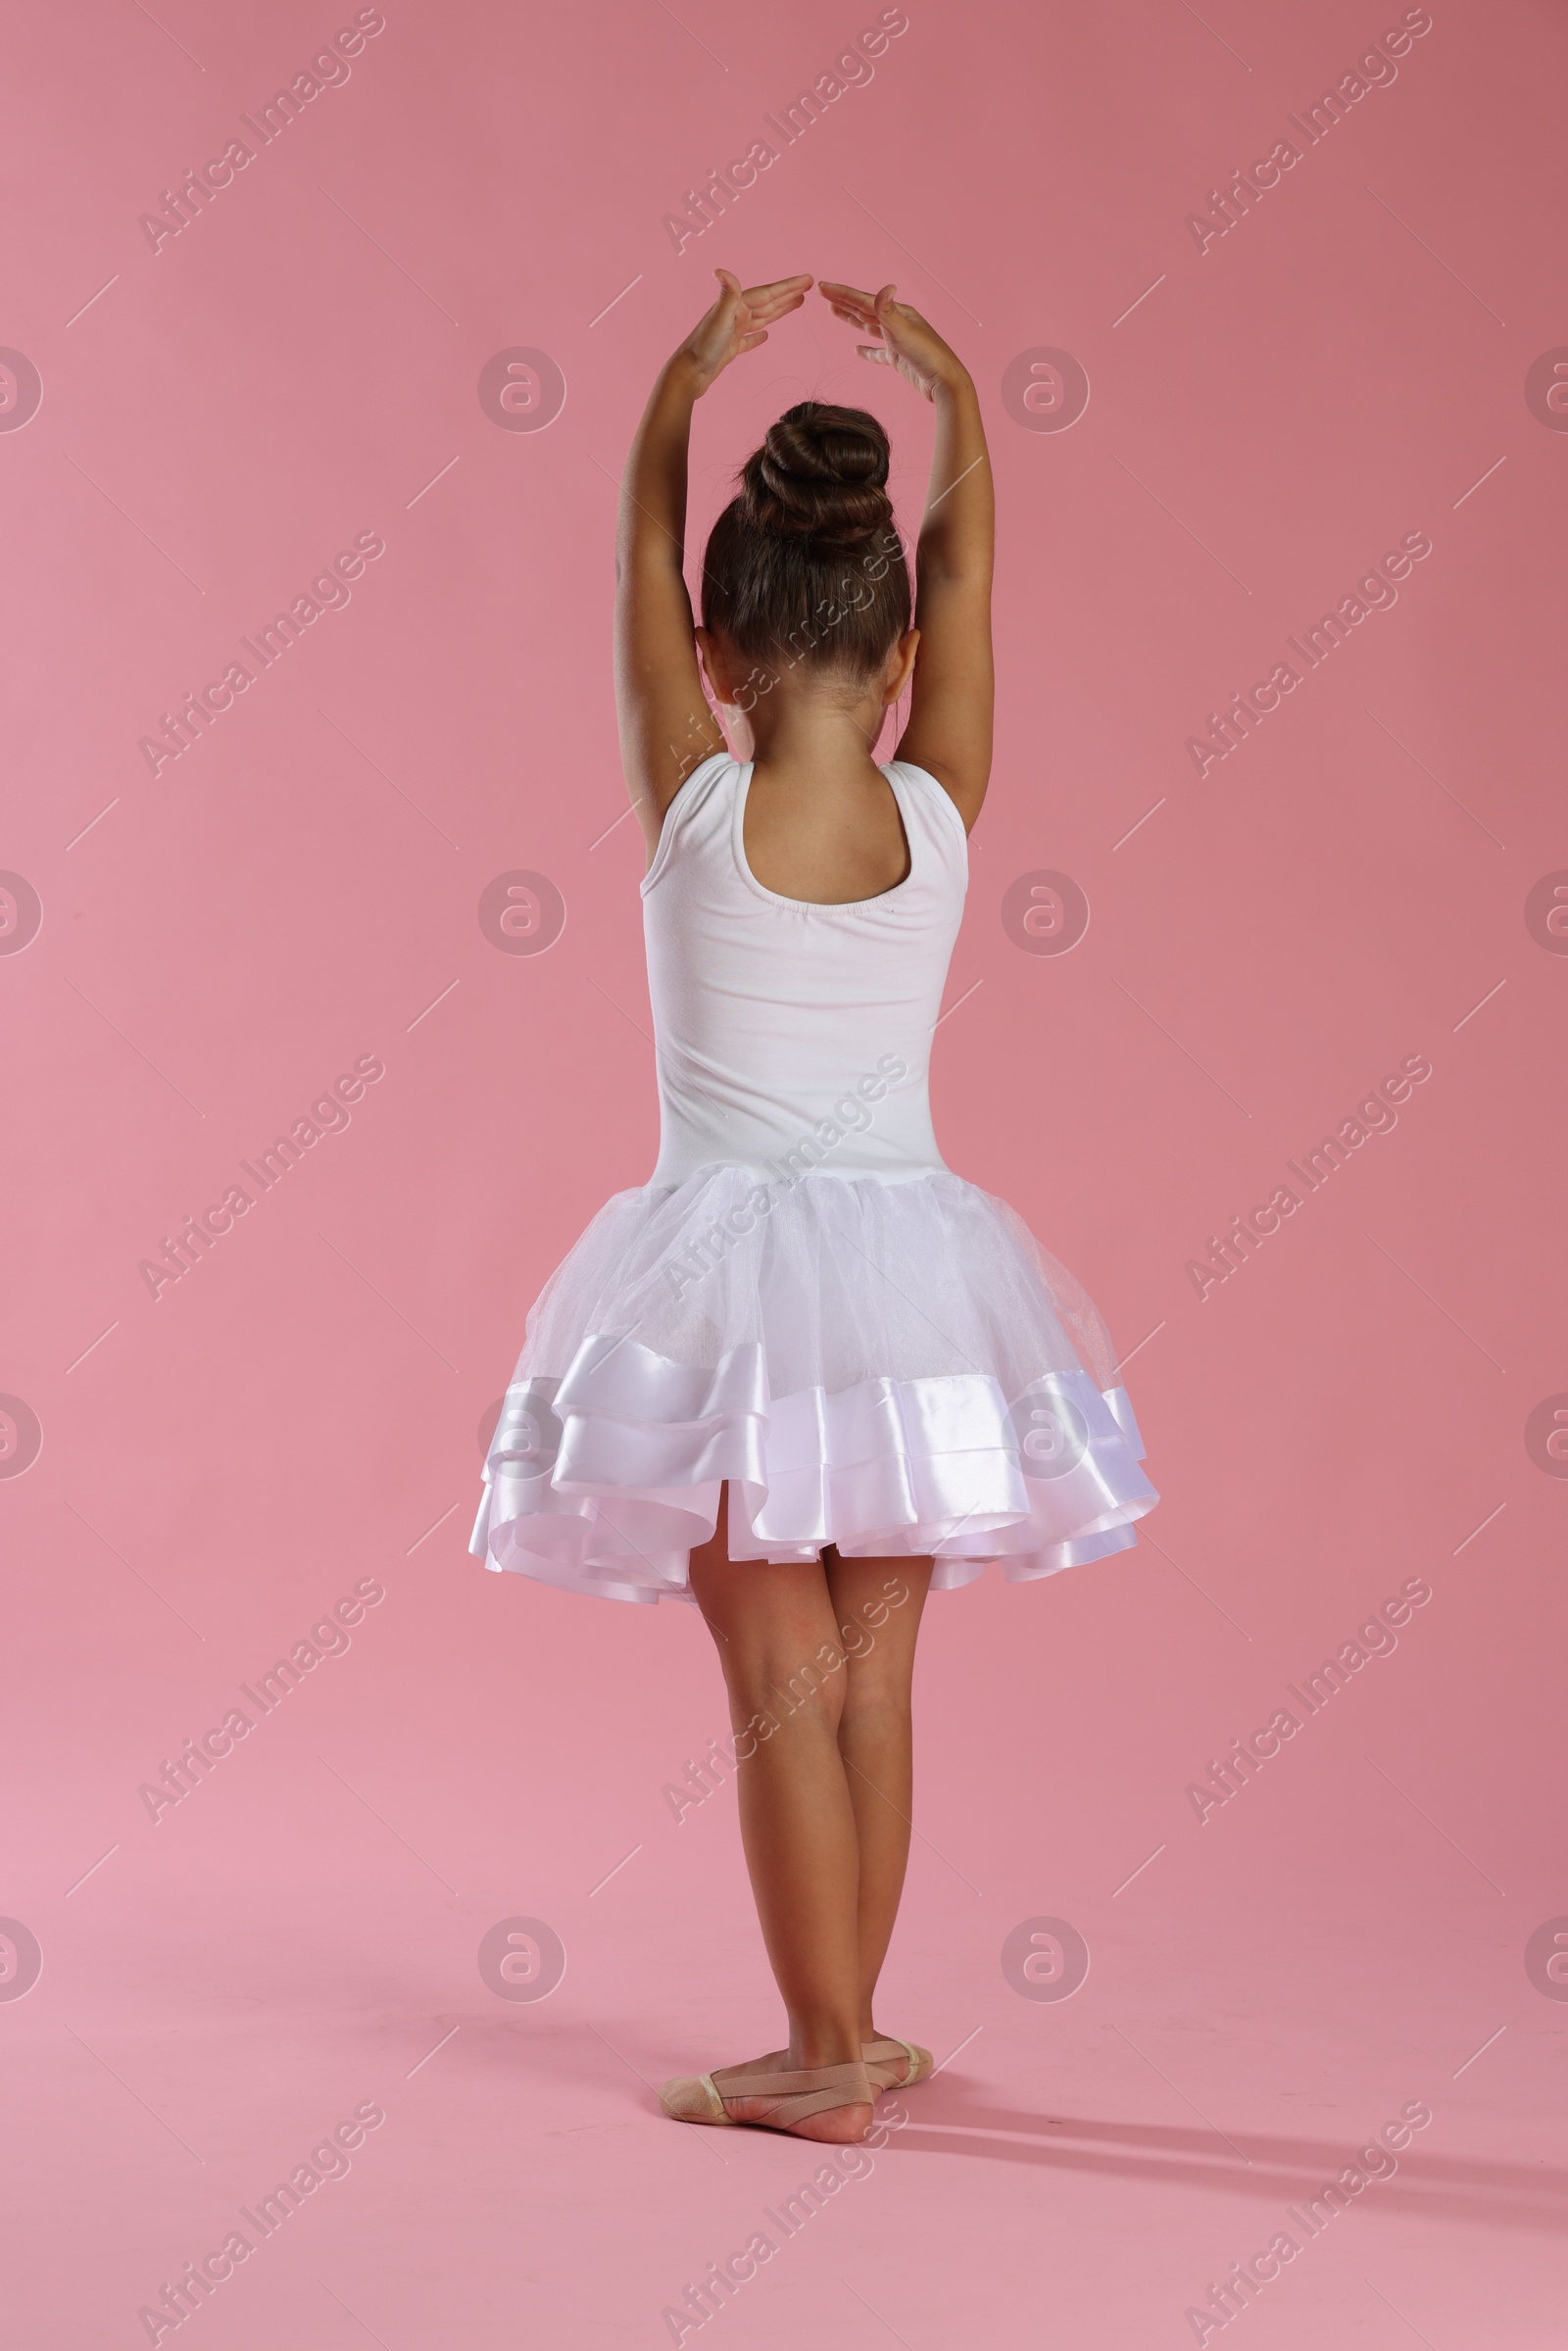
(821, 475)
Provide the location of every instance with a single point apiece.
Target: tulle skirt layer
(896, 1367)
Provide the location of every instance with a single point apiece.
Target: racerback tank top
(795, 1038)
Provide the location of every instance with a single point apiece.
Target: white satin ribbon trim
(605, 1480)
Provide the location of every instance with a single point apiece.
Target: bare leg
(877, 1603)
(784, 1667)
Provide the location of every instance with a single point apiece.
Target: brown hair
(806, 563)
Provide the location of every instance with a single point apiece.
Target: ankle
(821, 2041)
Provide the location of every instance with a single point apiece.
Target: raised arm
(666, 727)
(951, 693)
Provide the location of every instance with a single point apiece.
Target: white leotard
(795, 1038)
(804, 1304)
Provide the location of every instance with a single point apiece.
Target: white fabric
(805, 1301)
(778, 1021)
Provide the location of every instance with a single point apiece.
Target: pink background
(301, 1411)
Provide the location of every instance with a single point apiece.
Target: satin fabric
(894, 1367)
(605, 1480)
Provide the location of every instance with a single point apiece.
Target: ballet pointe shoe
(800, 2101)
(892, 2064)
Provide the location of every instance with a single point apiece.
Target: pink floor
(1238, 425)
(298, 1941)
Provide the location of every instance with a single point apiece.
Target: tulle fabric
(894, 1366)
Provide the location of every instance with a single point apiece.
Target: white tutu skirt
(894, 1367)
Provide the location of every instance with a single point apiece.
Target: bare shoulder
(965, 787)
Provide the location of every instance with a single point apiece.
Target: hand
(907, 342)
(738, 321)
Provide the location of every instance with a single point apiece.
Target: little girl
(807, 1374)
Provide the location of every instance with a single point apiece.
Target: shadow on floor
(948, 2118)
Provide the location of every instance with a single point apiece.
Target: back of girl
(807, 1373)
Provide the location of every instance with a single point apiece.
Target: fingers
(779, 308)
(768, 302)
(749, 310)
(874, 313)
(850, 303)
(780, 285)
(858, 319)
(857, 295)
